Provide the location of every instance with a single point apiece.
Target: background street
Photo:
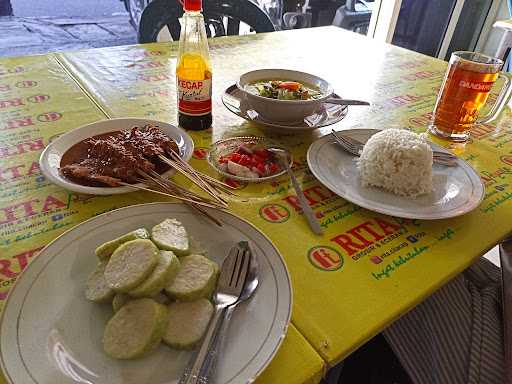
(83, 8)
(42, 26)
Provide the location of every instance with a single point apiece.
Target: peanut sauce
(80, 152)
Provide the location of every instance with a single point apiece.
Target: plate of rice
(395, 175)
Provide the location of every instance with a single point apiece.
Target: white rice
(398, 161)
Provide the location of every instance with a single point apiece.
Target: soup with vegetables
(283, 90)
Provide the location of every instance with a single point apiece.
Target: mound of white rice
(398, 161)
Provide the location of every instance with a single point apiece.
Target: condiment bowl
(226, 146)
(284, 110)
(51, 156)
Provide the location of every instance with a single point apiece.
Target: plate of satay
(115, 156)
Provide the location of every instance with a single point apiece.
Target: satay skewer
(192, 175)
(134, 186)
(218, 185)
(175, 188)
(184, 192)
(193, 205)
(172, 184)
(196, 205)
(176, 158)
(208, 178)
(204, 212)
(205, 187)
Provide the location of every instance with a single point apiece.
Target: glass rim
(460, 55)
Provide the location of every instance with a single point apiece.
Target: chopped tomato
(273, 168)
(257, 159)
(290, 85)
(260, 161)
(261, 168)
(235, 157)
(244, 160)
(261, 153)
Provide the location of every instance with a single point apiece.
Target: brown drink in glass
(468, 81)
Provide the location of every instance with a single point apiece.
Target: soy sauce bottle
(193, 71)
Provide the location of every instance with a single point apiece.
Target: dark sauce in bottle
(195, 123)
(193, 70)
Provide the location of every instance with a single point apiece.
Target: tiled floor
(34, 35)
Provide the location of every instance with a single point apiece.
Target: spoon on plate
(251, 283)
(230, 285)
(283, 157)
(337, 101)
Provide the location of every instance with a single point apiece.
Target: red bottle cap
(193, 5)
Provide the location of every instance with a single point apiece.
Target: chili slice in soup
(283, 90)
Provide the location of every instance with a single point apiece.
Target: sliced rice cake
(97, 288)
(188, 321)
(121, 299)
(165, 271)
(105, 250)
(170, 235)
(131, 264)
(195, 279)
(196, 248)
(136, 329)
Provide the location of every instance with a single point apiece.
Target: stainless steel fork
(355, 147)
(229, 287)
(251, 284)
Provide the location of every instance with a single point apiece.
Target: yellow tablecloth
(38, 101)
(367, 269)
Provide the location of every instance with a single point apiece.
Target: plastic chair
(274, 10)
(354, 15)
(297, 20)
(221, 18)
(505, 44)
(322, 11)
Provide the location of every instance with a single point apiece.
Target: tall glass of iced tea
(466, 86)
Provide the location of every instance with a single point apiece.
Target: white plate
(457, 190)
(51, 334)
(327, 115)
(52, 154)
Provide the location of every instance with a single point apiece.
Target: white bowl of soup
(282, 95)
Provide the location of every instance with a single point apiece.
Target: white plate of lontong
(51, 334)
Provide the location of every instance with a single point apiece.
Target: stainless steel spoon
(251, 283)
(230, 285)
(284, 159)
(333, 100)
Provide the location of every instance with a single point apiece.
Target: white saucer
(329, 114)
(457, 190)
